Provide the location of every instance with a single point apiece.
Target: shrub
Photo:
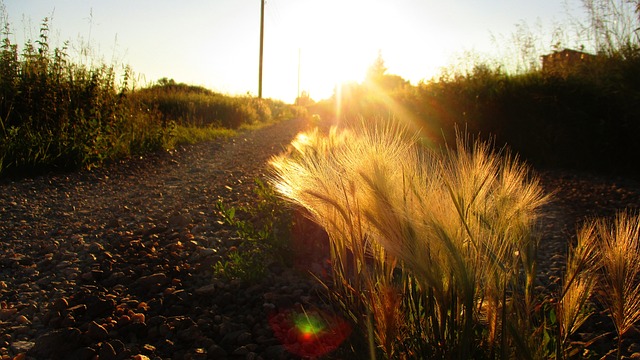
(58, 115)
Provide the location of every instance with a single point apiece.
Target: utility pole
(297, 98)
(261, 48)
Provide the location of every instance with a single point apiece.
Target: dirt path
(84, 253)
(117, 262)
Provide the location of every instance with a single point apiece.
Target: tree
(377, 75)
(377, 70)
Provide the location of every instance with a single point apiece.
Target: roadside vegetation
(433, 251)
(432, 234)
(56, 114)
(584, 118)
(579, 115)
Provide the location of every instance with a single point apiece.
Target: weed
(433, 252)
(264, 228)
(58, 115)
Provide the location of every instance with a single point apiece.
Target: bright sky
(214, 43)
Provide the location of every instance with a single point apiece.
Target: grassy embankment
(59, 115)
(583, 117)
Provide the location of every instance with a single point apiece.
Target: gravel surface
(117, 262)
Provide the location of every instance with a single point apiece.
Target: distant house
(561, 62)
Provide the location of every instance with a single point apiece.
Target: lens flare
(311, 333)
(309, 327)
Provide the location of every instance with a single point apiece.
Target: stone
(206, 290)
(6, 314)
(95, 248)
(215, 351)
(107, 352)
(56, 343)
(18, 347)
(241, 351)
(178, 221)
(96, 331)
(120, 348)
(151, 283)
(60, 304)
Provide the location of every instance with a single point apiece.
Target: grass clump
(430, 247)
(618, 241)
(264, 230)
(433, 252)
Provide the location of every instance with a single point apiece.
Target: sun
(336, 42)
(333, 42)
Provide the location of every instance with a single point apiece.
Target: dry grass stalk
(579, 283)
(620, 251)
(460, 222)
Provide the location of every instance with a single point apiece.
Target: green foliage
(191, 135)
(264, 228)
(190, 105)
(58, 115)
(247, 265)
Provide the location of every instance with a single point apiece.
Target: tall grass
(426, 245)
(59, 115)
(619, 241)
(434, 251)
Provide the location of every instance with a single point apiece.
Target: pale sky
(214, 43)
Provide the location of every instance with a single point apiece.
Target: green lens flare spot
(308, 325)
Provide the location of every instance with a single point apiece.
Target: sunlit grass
(58, 115)
(191, 135)
(434, 252)
(457, 226)
(619, 243)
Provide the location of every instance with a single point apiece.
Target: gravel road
(117, 262)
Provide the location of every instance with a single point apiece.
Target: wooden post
(261, 48)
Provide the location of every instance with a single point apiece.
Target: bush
(57, 115)
(584, 119)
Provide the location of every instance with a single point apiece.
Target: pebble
(56, 342)
(206, 290)
(18, 347)
(6, 314)
(96, 331)
(22, 320)
(107, 352)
